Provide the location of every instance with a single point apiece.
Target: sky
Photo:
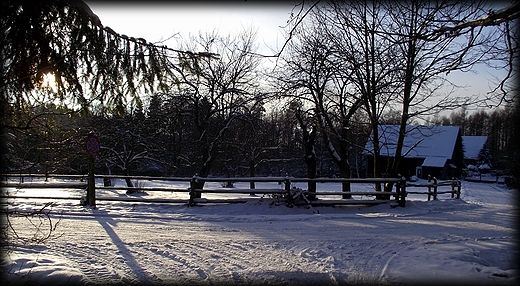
(172, 21)
(161, 20)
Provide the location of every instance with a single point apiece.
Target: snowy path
(470, 240)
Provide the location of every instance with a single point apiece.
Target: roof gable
(437, 162)
(419, 142)
(473, 145)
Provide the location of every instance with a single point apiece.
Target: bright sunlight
(49, 81)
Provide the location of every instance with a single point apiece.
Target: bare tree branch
(494, 18)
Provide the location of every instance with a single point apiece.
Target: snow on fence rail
(196, 188)
(22, 184)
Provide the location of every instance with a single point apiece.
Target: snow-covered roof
(473, 145)
(434, 162)
(419, 142)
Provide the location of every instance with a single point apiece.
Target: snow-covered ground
(471, 240)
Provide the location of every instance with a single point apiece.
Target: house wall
(409, 166)
(439, 173)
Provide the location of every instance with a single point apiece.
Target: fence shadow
(107, 222)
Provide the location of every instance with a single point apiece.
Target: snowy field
(470, 241)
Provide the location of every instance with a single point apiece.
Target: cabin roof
(473, 145)
(433, 142)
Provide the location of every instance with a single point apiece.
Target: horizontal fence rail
(296, 196)
(432, 188)
(195, 189)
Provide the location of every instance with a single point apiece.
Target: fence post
(458, 189)
(287, 188)
(452, 187)
(252, 186)
(402, 201)
(287, 184)
(397, 190)
(429, 187)
(193, 184)
(434, 188)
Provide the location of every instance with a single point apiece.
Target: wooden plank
(280, 191)
(241, 191)
(432, 184)
(148, 178)
(242, 179)
(300, 180)
(349, 202)
(177, 201)
(151, 189)
(45, 185)
(13, 175)
(431, 193)
(447, 192)
(40, 197)
(219, 201)
(142, 200)
(347, 180)
(352, 193)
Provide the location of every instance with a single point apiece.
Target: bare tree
(398, 56)
(316, 74)
(218, 89)
(427, 58)
(370, 62)
(124, 144)
(253, 142)
(504, 20)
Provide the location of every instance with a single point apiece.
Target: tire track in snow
(97, 267)
(369, 262)
(171, 257)
(352, 262)
(228, 262)
(197, 261)
(225, 262)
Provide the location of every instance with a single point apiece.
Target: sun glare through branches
(49, 81)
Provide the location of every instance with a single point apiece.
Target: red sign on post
(92, 145)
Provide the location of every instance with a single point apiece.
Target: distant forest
(163, 140)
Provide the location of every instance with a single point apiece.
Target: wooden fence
(433, 185)
(291, 195)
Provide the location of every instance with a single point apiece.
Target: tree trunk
(208, 159)
(252, 174)
(344, 172)
(310, 160)
(309, 141)
(106, 181)
(128, 182)
(376, 159)
(407, 98)
(344, 164)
